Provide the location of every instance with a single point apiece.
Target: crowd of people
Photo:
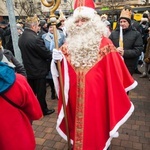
(97, 66)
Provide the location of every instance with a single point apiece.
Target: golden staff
(55, 4)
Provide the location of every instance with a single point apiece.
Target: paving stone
(49, 136)
(137, 146)
(134, 138)
(147, 135)
(146, 146)
(127, 144)
(59, 146)
(40, 128)
(39, 134)
(39, 141)
(48, 130)
(49, 143)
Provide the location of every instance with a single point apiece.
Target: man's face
(62, 23)
(50, 29)
(103, 18)
(124, 23)
(81, 21)
(19, 31)
(35, 27)
(3, 26)
(45, 25)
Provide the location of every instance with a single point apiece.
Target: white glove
(57, 55)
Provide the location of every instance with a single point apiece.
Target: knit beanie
(42, 23)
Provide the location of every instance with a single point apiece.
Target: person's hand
(57, 55)
(120, 51)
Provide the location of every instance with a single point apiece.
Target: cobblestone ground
(133, 135)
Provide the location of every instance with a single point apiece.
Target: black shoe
(140, 62)
(144, 75)
(137, 71)
(48, 112)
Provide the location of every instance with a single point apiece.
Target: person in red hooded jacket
(18, 107)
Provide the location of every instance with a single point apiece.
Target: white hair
(84, 41)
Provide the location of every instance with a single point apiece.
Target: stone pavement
(133, 135)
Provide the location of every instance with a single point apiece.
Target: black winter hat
(145, 15)
(42, 23)
(49, 24)
(129, 20)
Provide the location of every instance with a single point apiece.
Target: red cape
(97, 103)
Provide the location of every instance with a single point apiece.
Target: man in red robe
(95, 81)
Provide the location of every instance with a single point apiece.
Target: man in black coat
(35, 56)
(132, 40)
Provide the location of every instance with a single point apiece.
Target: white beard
(83, 43)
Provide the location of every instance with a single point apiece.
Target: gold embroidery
(79, 126)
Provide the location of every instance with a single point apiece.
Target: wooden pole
(62, 91)
(53, 20)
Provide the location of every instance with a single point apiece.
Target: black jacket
(34, 54)
(133, 46)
